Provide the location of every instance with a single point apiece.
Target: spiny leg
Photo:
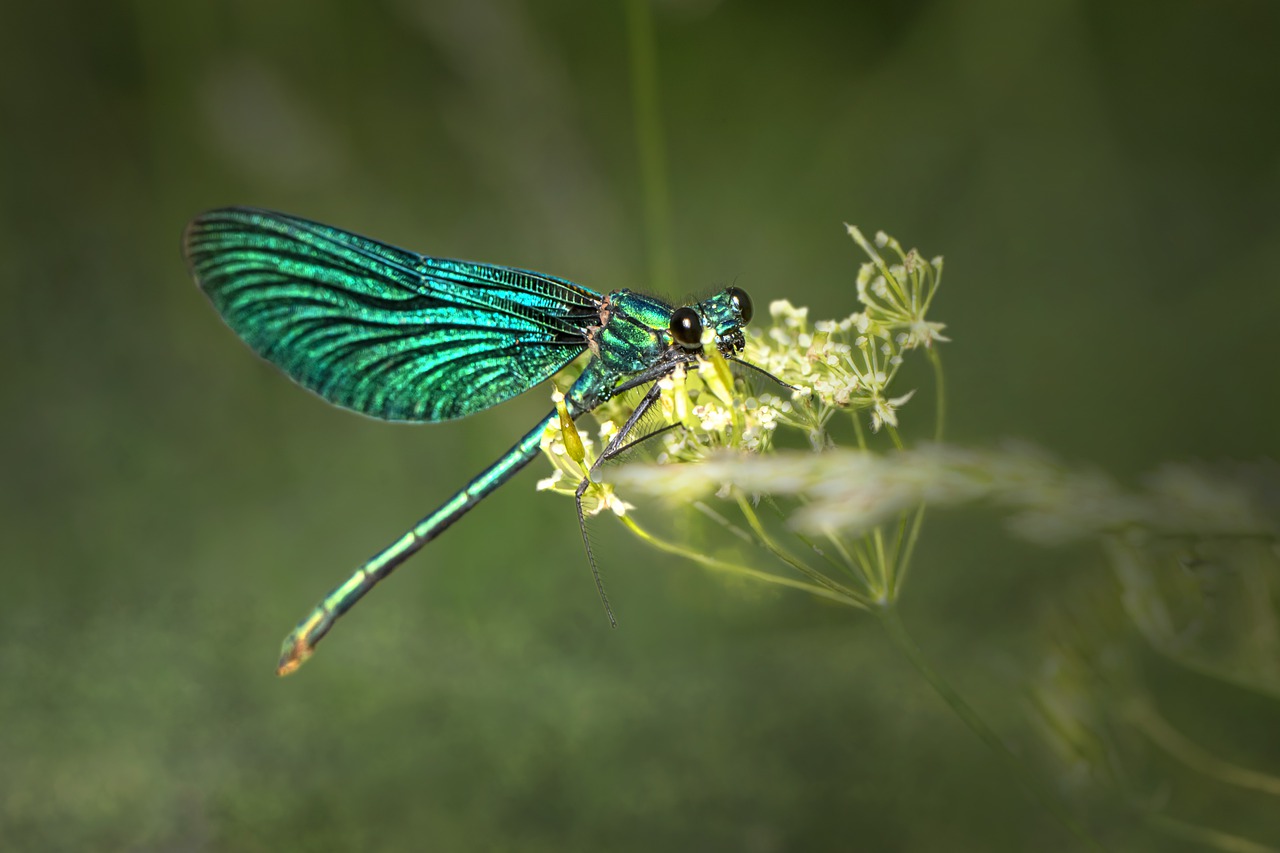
(612, 449)
(630, 444)
(591, 557)
(762, 372)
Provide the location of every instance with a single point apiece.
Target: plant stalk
(888, 616)
(648, 119)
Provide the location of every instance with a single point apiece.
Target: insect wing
(380, 330)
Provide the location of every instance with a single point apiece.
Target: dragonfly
(402, 336)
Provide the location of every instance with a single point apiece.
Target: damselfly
(405, 337)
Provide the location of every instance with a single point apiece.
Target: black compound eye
(741, 303)
(686, 328)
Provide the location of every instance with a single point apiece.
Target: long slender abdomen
(300, 644)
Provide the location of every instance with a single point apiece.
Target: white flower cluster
(850, 363)
(569, 470)
(713, 413)
(831, 366)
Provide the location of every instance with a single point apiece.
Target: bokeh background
(1102, 178)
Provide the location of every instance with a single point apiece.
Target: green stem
(1173, 742)
(847, 567)
(866, 563)
(843, 551)
(940, 418)
(893, 435)
(1211, 838)
(900, 572)
(653, 170)
(892, 622)
(884, 571)
(772, 547)
(940, 394)
(723, 522)
(858, 431)
(735, 569)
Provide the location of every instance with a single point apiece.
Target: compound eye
(686, 328)
(741, 303)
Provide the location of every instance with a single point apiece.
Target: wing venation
(381, 330)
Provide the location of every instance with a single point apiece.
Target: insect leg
(613, 448)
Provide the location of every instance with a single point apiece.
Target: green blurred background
(1101, 176)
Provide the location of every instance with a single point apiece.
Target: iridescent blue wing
(386, 332)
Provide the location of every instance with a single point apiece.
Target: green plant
(840, 520)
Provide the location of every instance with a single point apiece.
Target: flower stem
(1182, 748)
(778, 551)
(735, 569)
(939, 424)
(653, 170)
(940, 394)
(892, 622)
(1210, 838)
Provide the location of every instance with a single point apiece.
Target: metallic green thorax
(401, 336)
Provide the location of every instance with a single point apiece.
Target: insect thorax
(633, 332)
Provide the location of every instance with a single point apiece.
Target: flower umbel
(1191, 554)
(829, 369)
